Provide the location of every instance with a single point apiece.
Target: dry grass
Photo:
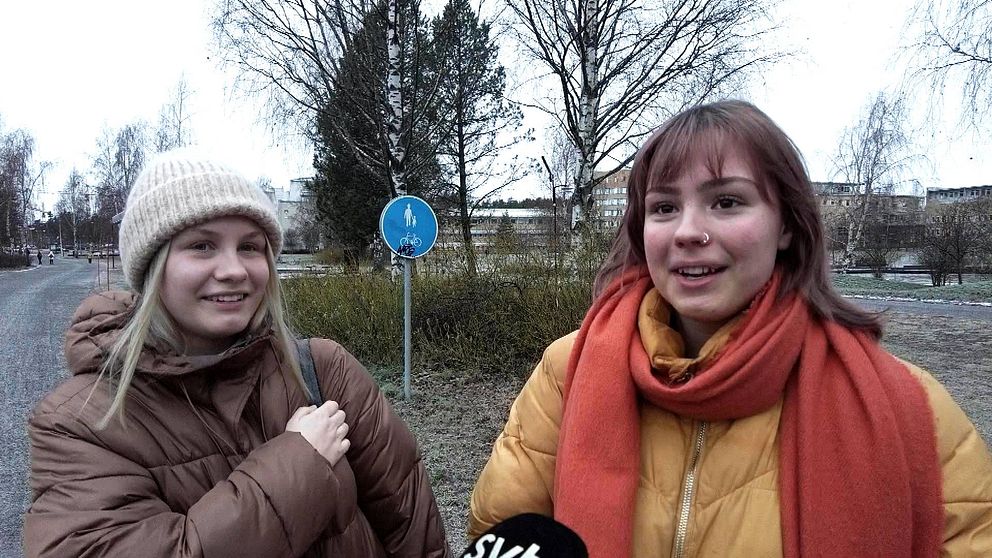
(457, 419)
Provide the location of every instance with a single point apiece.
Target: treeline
(396, 102)
(21, 176)
(91, 196)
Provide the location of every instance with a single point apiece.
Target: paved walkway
(36, 306)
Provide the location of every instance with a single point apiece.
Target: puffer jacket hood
(96, 326)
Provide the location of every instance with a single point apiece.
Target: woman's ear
(784, 238)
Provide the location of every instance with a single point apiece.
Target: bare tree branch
(621, 66)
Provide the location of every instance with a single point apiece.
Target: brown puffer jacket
(203, 465)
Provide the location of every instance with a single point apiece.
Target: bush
(362, 312)
(329, 256)
(14, 260)
(488, 325)
(493, 325)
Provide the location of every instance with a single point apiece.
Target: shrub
(329, 256)
(363, 312)
(489, 325)
(14, 260)
(492, 325)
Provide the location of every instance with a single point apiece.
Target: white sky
(70, 68)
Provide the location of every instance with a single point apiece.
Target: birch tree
(119, 158)
(174, 127)
(73, 204)
(871, 156)
(621, 66)
(953, 50)
(20, 176)
(354, 163)
(292, 51)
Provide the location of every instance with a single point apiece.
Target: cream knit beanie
(181, 188)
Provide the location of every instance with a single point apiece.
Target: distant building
(834, 197)
(954, 195)
(288, 202)
(903, 212)
(897, 218)
(531, 226)
(610, 200)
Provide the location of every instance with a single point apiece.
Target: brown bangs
(683, 146)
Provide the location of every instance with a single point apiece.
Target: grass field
(865, 285)
(456, 419)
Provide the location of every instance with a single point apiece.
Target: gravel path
(915, 307)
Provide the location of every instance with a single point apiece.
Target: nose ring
(706, 239)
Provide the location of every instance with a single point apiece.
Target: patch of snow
(927, 300)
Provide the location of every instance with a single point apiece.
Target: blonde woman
(185, 429)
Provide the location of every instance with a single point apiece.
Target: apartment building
(610, 200)
(531, 226)
(954, 195)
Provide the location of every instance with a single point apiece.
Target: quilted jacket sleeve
(519, 476)
(394, 489)
(967, 473)
(93, 501)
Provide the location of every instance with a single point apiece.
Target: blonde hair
(151, 324)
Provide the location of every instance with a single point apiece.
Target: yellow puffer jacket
(733, 502)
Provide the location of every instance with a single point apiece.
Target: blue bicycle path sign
(409, 226)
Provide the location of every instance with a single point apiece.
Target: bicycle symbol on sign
(411, 239)
(409, 245)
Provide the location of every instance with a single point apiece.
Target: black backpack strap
(309, 372)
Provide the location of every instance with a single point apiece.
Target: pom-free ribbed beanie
(181, 188)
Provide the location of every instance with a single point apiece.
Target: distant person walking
(51, 257)
(187, 429)
(39, 256)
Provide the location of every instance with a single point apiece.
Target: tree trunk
(855, 228)
(394, 97)
(466, 219)
(588, 113)
(394, 116)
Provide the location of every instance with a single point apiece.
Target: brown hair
(706, 131)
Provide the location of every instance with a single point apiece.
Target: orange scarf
(859, 473)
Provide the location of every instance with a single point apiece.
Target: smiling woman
(214, 281)
(188, 409)
(720, 398)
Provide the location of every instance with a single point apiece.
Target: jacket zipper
(689, 490)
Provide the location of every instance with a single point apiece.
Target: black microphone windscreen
(527, 535)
